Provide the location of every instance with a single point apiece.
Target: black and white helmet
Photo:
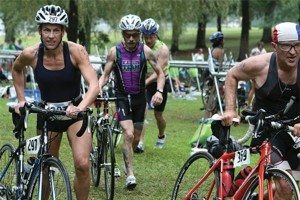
(52, 14)
(130, 22)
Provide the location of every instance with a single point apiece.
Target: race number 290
(33, 145)
(242, 157)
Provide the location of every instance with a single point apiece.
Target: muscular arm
(82, 60)
(162, 60)
(158, 66)
(253, 68)
(107, 68)
(26, 58)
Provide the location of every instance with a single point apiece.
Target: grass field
(156, 170)
(186, 42)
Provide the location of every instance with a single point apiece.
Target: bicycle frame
(260, 168)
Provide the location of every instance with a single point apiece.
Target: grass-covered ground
(155, 169)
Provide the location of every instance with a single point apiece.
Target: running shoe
(130, 182)
(140, 148)
(160, 143)
(117, 172)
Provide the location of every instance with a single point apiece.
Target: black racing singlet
(273, 97)
(57, 85)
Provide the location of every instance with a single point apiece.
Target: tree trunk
(73, 22)
(267, 36)
(88, 30)
(175, 37)
(219, 23)
(244, 46)
(200, 40)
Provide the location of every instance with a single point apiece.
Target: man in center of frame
(128, 61)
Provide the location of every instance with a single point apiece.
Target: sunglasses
(288, 47)
(129, 35)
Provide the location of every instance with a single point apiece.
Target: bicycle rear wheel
(291, 190)
(7, 172)
(193, 169)
(208, 94)
(56, 182)
(109, 163)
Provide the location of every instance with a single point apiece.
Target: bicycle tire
(95, 153)
(191, 172)
(59, 187)
(116, 130)
(252, 190)
(208, 93)
(109, 163)
(9, 178)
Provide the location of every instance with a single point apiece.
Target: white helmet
(52, 14)
(149, 27)
(130, 22)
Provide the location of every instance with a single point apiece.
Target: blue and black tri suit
(58, 87)
(273, 96)
(130, 73)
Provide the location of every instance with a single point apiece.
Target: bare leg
(160, 122)
(81, 148)
(128, 129)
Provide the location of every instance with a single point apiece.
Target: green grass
(156, 170)
(186, 42)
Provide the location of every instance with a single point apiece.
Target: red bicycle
(204, 177)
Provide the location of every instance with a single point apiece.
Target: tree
(73, 21)
(244, 46)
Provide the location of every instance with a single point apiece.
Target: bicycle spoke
(8, 172)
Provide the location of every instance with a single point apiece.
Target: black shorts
(57, 125)
(151, 89)
(135, 111)
(283, 144)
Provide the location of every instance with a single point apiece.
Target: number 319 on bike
(242, 157)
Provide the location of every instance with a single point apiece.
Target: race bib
(33, 145)
(242, 157)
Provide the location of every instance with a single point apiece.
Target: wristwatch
(160, 91)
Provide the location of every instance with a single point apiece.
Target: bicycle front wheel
(109, 163)
(95, 153)
(8, 171)
(191, 172)
(116, 129)
(289, 191)
(55, 183)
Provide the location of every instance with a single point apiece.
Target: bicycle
(44, 176)
(205, 177)
(103, 155)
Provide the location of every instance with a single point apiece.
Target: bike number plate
(33, 145)
(242, 157)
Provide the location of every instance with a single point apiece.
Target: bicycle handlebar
(257, 119)
(20, 121)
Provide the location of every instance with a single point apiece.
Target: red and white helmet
(130, 22)
(52, 14)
